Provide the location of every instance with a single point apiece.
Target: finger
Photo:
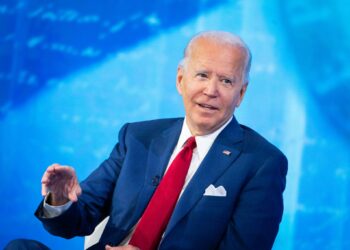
(45, 180)
(72, 196)
(48, 173)
(44, 190)
(76, 186)
(56, 168)
(73, 188)
(108, 247)
(61, 173)
(78, 190)
(53, 167)
(75, 192)
(45, 177)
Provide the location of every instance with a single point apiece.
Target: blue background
(72, 72)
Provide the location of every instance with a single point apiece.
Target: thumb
(74, 193)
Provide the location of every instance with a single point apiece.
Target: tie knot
(191, 142)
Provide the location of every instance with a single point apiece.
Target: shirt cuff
(54, 211)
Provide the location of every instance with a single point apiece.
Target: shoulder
(260, 146)
(262, 156)
(150, 128)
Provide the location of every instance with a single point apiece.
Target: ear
(241, 94)
(179, 78)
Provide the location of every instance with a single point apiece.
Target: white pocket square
(213, 191)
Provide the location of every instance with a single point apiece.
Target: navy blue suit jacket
(247, 218)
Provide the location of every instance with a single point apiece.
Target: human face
(211, 84)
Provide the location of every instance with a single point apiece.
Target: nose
(211, 88)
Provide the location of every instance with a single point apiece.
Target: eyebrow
(231, 77)
(201, 71)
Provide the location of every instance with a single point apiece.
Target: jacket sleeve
(255, 221)
(94, 203)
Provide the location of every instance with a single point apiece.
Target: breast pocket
(213, 202)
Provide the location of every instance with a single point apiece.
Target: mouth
(207, 106)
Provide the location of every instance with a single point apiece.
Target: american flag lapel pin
(226, 152)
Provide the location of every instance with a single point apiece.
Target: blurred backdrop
(73, 72)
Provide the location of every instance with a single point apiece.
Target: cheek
(190, 91)
(230, 102)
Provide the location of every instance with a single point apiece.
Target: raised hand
(62, 183)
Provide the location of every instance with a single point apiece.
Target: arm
(93, 205)
(255, 221)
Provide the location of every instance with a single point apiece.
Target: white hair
(224, 38)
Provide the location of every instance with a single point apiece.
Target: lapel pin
(226, 152)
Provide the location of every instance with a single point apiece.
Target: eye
(227, 81)
(202, 75)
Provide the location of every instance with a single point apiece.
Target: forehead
(216, 56)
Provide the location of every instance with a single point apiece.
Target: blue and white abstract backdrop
(72, 72)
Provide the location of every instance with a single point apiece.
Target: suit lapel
(161, 150)
(212, 167)
(159, 154)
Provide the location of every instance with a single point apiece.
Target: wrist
(55, 200)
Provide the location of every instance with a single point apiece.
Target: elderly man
(202, 182)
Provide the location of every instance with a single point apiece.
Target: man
(230, 194)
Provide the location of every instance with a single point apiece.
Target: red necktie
(154, 220)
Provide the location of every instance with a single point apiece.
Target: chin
(204, 125)
(205, 128)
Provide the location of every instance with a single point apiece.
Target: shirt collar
(204, 142)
